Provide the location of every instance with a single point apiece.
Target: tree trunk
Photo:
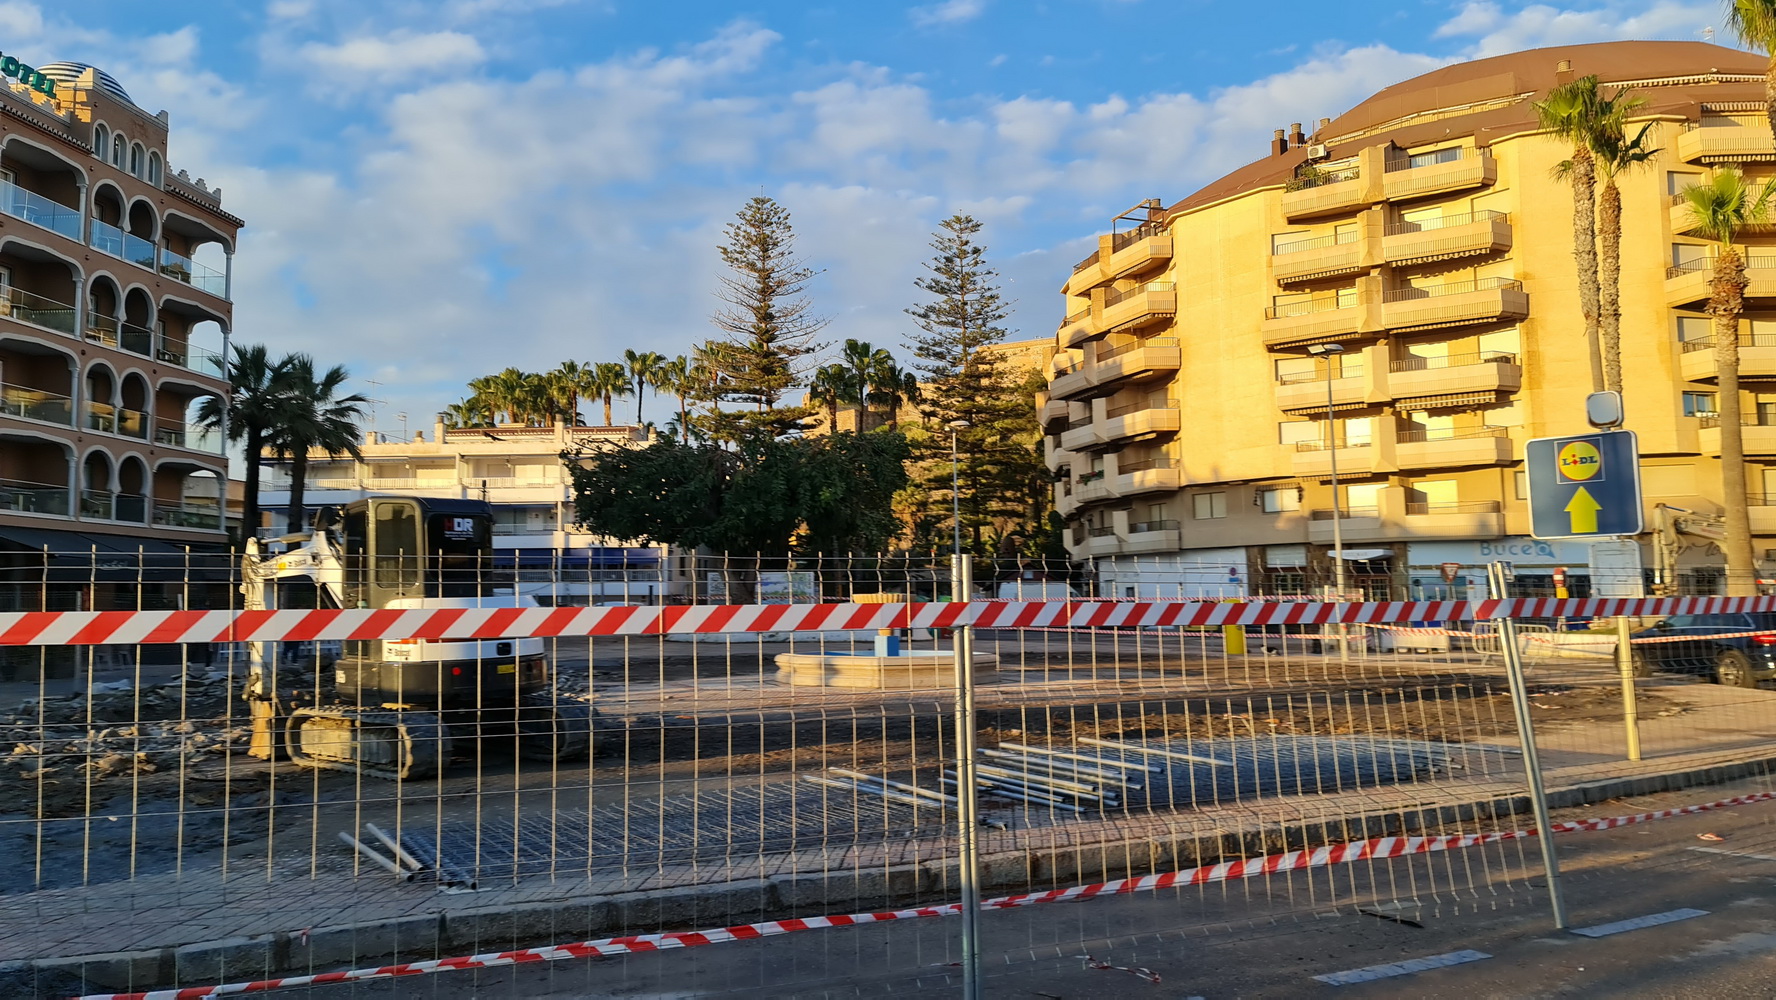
(1727, 301)
(298, 476)
(1609, 275)
(684, 421)
(638, 402)
(250, 489)
(1770, 92)
(607, 409)
(1584, 184)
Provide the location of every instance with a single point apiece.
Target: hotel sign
(11, 67)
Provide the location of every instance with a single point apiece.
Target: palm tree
(316, 416)
(504, 392)
(676, 376)
(470, 412)
(1721, 208)
(1571, 112)
(859, 357)
(1754, 21)
(568, 377)
(894, 387)
(831, 385)
(609, 379)
(641, 371)
(1615, 154)
(255, 407)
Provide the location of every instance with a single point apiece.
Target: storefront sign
(11, 67)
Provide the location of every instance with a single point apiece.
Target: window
(154, 168)
(1209, 505)
(118, 143)
(1694, 328)
(1364, 497)
(1688, 255)
(1695, 404)
(1279, 500)
(1675, 182)
(137, 160)
(1358, 431)
(1297, 431)
(1435, 156)
(101, 140)
(1522, 483)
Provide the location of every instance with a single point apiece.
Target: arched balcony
(131, 502)
(36, 381)
(127, 232)
(190, 337)
(37, 288)
(176, 406)
(194, 252)
(135, 333)
(41, 187)
(98, 488)
(36, 474)
(187, 495)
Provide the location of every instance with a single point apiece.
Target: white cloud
(947, 12)
(397, 56)
(1496, 32)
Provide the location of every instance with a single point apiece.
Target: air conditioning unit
(1318, 151)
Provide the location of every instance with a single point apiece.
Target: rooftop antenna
(403, 418)
(1708, 33)
(373, 401)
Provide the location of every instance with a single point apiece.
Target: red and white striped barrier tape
(82, 628)
(1363, 850)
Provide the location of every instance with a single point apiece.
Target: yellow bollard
(1233, 637)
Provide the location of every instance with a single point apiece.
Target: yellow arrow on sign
(1583, 508)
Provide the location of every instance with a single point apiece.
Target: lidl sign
(29, 76)
(1584, 485)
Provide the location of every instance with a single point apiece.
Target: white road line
(1652, 920)
(1406, 968)
(1736, 854)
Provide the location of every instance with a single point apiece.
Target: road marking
(1653, 920)
(1736, 854)
(1406, 968)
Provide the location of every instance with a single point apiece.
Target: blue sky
(435, 189)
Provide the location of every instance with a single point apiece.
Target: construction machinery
(393, 708)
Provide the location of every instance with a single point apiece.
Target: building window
(1210, 505)
(1522, 483)
(101, 140)
(1691, 329)
(118, 144)
(1435, 156)
(1277, 501)
(138, 162)
(1697, 404)
(154, 168)
(1297, 431)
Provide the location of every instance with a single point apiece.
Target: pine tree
(965, 379)
(770, 330)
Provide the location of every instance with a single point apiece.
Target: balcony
(1090, 488)
(1154, 475)
(36, 404)
(1152, 536)
(109, 239)
(1447, 238)
(108, 419)
(1296, 393)
(1323, 191)
(1069, 381)
(1727, 142)
(1757, 358)
(1134, 360)
(135, 339)
(40, 211)
(1079, 434)
(1688, 283)
(1485, 372)
(1458, 303)
(1758, 434)
(1446, 449)
(1052, 412)
(1121, 254)
(1101, 542)
(1077, 328)
(1319, 257)
(203, 516)
(18, 496)
(199, 276)
(37, 310)
(1313, 459)
(1137, 419)
(193, 358)
(1308, 320)
(1355, 524)
(177, 434)
(1461, 169)
(1063, 498)
(1454, 519)
(1132, 308)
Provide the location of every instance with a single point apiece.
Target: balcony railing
(1140, 232)
(1446, 222)
(1298, 378)
(131, 507)
(1307, 307)
(1325, 446)
(1453, 507)
(36, 404)
(40, 211)
(101, 417)
(192, 273)
(1320, 177)
(1135, 345)
(1745, 340)
(136, 339)
(1745, 420)
(1432, 159)
(107, 238)
(1104, 531)
(1111, 298)
(97, 504)
(1451, 288)
(29, 307)
(188, 515)
(177, 434)
(185, 356)
(1143, 527)
(1151, 403)
(1144, 465)
(1753, 262)
(101, 329)
(1299, 246)
(1342, 513)
(33, 498)
(1422, 434)
(1092, 477)
(1452, 361)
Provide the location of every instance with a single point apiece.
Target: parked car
(1711, 644)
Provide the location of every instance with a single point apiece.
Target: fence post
(968, 860)
(1630, 711)
(1532, 766)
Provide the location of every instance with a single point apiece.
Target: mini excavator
(394, 708)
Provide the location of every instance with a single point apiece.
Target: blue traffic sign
(1585, 485)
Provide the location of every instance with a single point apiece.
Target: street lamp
(1326, 352)
(956, 426)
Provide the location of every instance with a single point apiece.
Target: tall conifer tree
(770, 331)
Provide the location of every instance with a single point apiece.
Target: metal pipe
(369, 852)
(1172, 754)
(864, 786)
(1532, 767)
(1058, 767)
(394, 847)
(968, 859)
(1630, 710)
(887, 782)
(1088, 758)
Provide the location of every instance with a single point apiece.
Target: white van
(1037, 590)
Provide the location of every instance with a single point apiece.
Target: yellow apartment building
(1422, 236)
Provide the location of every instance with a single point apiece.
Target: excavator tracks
(378, 743)
(549, 729)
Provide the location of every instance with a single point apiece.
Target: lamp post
(956, 426)
(1326, 352)
(968, 860)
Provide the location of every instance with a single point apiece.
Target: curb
(516, 925)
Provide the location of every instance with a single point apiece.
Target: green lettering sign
(27, 75)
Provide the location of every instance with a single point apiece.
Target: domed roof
(70, 72)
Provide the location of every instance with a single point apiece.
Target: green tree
(316, 416)
(643, 368)
(609, 380)
(1574, 112)
(770, 331)
(965, 380)
(505, 392)
(470, 412)
(1722, 207)
(831, 385)
(570, 378)
(256, 406)
(676, 377)
(1754, 21)
(892, 387)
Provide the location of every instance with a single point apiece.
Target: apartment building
(1395, 292)
(114, 316)
(519, 471)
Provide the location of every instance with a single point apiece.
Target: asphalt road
(1269, 938)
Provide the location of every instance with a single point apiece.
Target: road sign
(1585, 485)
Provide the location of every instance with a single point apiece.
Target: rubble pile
(117, 729)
